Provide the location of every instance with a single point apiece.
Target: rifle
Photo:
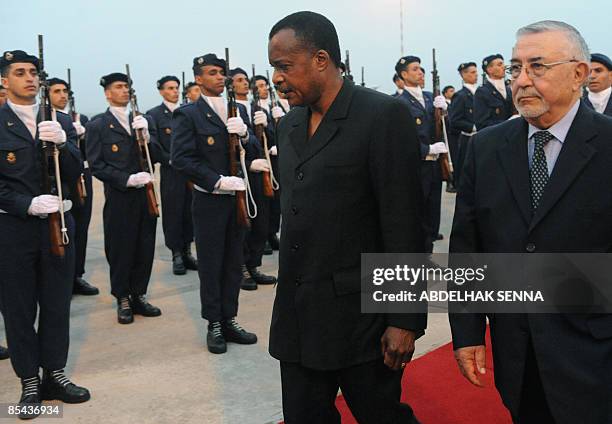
(260, 134)
(347, 64)
(234, 145)
(184, 92)
(446, 164)
(52, 181)
(362, 77)
(145, 157)
(81, 189)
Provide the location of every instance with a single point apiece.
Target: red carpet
(438, 393)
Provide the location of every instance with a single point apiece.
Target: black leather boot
(30, 396)
(178, 266)
(214, 338)
(188, 259)
(140, 306)
(235, 333)
(247, 281)
(80, 286)
(56, 386)
(124, 311)
(261, 278)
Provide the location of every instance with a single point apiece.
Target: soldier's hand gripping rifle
(237, 154)
(51, 174)
(446, 163)
(145, 157)
(260, 134)
(81, 189)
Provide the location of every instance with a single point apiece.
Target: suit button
(531, 247)
(298, 281)
(294, 210)
(295, 248)
(300, 176)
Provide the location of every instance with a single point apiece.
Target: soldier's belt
(216, 191)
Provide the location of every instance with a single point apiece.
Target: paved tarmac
(157, 370)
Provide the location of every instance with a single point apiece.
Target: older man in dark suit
(540, 176)
(349, 168)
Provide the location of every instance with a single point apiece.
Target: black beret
(17, 56)
(190, 84)
(210, 59)
(465, 66)
(165, 79)
(487, 60)
(603, 59)
(237, 71)
(107, 80)
(54, 81)
(405, 61)
(261, 78)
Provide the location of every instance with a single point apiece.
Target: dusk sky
(95, 38)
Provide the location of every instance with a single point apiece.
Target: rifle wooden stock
(152, 204)
(81, 190)
(445, 167)
(55, 235)
(152, 200)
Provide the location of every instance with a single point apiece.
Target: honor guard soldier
(257, 235)
(422, 106)
(277, 110)
(4, 354)
(399, 83)
(600, 84)
(193, 92)
(37, 262)
(200, 139)
(60, 93)
(129, 227)
(175, 188)
(493, 99)
(461, 114)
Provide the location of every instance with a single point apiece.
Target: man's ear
(322, 60)
(581, 75)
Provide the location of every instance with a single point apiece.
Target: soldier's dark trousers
(82, 217)
(32, 279)
(258, 233)
(431, 180)
(129, 240)
(176, 209)
(371, 390)
(219, 244)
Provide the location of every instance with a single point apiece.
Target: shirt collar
(560, 128)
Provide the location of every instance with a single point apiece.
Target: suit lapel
(515, 163)
(298, 135)
(414, 100)
(608, 109)
(574, 155)
(15, 125)
(210, 114)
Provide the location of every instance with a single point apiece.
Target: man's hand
(52, 132)
(260, 118)
(471, 361)
(397, 347)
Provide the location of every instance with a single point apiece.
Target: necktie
(539, 170)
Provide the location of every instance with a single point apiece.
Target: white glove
(52, 132)
(231, 184)
(80, 129)
(259, 165)
(260, 118)
(139, 180)
(440, 103)
(236, 125)
(140, 123)
(277, 112)
(43, 205)
(273, 151)
(437, 148)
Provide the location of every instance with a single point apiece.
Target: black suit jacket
(352, 188)
(607, 110)
(493, 214)
(490, 107)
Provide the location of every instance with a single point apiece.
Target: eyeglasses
(534, 69)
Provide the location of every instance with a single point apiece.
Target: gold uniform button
(210, 140)
(115, 148)
(168, 130)
(418, 121)
(497, 111)
(11, 158)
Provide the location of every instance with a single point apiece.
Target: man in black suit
(598, 96)
(493, 99)
(532, 184)
(349, 167)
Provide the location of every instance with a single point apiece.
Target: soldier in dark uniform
(493, 99)
(598, 96)
(175, 188)
(4, 354)
(422, 106)
(192, 90)
(2, 95)
(399, 83)
(129, 228)
(257, 234)
(461, 114)
(34, 279)
(200, 137)
(59, 93)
